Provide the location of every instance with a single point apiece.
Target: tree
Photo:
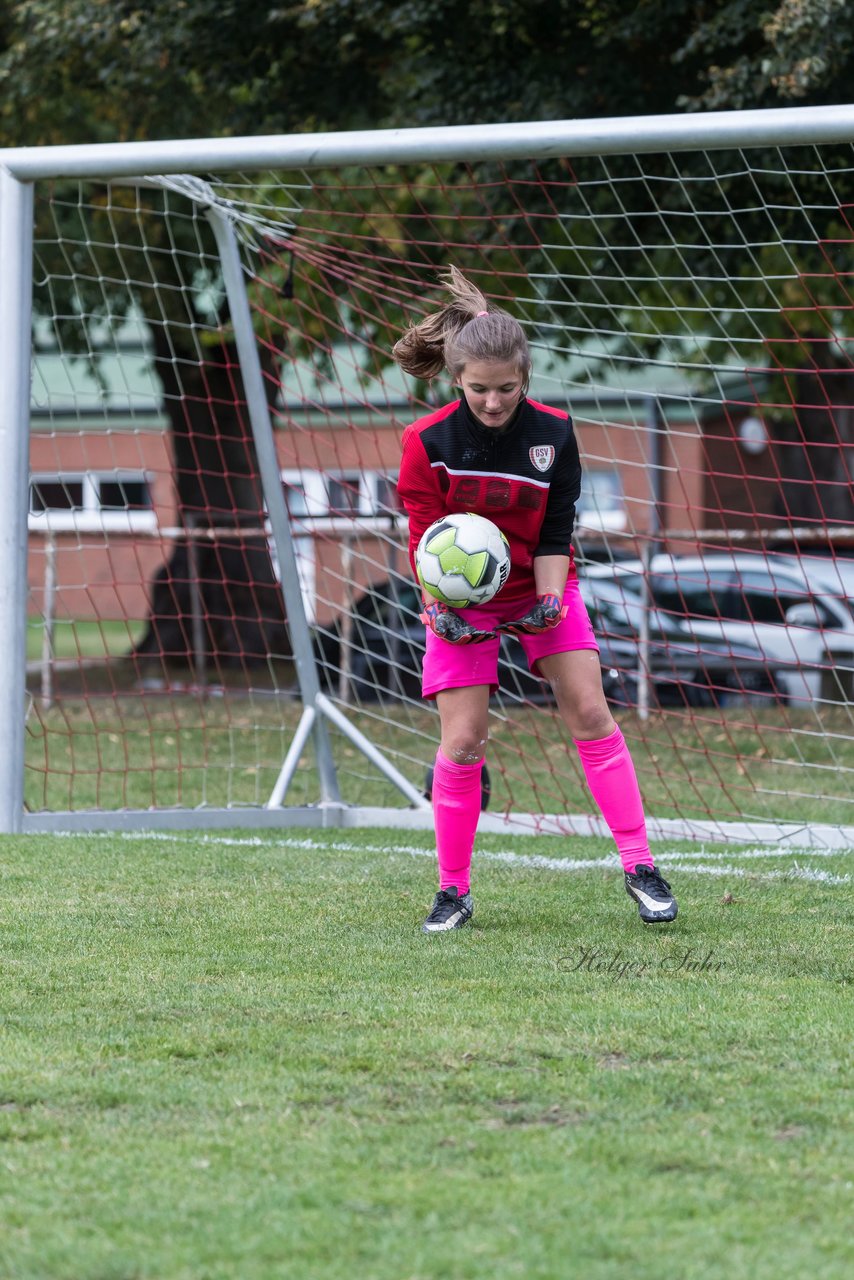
(756, 55)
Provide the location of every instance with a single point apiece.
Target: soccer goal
(210, 617)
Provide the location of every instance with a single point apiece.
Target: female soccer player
(502, 455)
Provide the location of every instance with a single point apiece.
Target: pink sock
(613, 783)
(456, 809)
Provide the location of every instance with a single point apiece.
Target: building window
(108, 501)
(602, 506)
(128, 493)
(305, 494)
(295, 497)
(346, 494)
(361, 493)
(48, 494)
(316, 494)
(386, 502)
(320, 504)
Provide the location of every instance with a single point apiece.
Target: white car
(799, 610)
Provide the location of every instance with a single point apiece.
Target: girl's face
(493, 390)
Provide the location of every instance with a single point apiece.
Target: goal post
(16, 255)
(317, 708)
(202, 561)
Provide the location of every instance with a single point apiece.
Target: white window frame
(312, 485)
(91, 518)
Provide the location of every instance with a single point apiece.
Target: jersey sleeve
(559, 518)
(418, 490)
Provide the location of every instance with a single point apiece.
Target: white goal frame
(21, 168)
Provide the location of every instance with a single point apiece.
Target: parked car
(799, 611)
(684, 669)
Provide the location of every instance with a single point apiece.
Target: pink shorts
(458, 666)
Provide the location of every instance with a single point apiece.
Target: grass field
(237, 1057)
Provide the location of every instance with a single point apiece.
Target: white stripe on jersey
(495, 475)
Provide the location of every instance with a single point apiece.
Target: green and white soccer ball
(463, 560)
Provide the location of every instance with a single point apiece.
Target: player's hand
(447, 625)
(546, 613)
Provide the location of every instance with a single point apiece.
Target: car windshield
(621, 608)
(777, 592)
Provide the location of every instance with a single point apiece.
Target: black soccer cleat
(450, 911)
(656, 904)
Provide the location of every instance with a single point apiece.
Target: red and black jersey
(526, 478)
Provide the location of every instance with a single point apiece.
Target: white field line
(670, 861)
(668, 831)
(681, 860)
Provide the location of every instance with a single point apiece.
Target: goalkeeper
(502, 455)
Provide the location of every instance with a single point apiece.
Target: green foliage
(755, 56)
(96, 70)
(92, 70)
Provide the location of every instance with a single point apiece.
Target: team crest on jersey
(542, 456)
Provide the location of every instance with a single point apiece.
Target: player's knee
(591, 719)
(465, 748)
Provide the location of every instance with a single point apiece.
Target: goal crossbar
(794, 126)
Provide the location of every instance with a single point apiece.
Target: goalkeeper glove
(447, 625)
(545, 614)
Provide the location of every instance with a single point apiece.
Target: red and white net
(692, 311)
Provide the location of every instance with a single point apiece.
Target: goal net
(692, 309)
